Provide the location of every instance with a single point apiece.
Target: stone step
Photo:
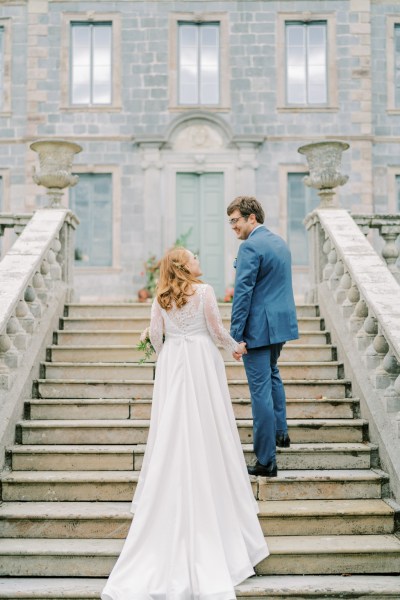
(140, 323)
(288, 555)
(71, 457)
(129, 337)
(83, 388)
(124, 408)
(135, 431)
(271, 587)
(119, 486)
(234, 371)
(111, 520)
(129, 354)
(136, 309)
(314, 473)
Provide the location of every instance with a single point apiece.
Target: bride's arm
(156, 327)
(215, 327)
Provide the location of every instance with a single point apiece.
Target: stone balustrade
(388, 227)
(15, 222)
(30, 272)
(36, 279)
(360, 300)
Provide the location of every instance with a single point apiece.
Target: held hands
(242, 350)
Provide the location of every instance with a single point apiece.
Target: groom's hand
(242, 350)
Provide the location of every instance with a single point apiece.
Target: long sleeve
(215, 327)
(248, 264)
(156, 327)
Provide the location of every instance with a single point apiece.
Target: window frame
(5, 176)
(5, 104)
(391, 22)
(115, 173)
(199, 47)
(175, 19)
(68, 19)
(284, 171)
(393, 172)
(331, 70)
(91, 26)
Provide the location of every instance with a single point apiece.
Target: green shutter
(91, 200)
(301, 200)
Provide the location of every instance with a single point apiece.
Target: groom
(263, 316)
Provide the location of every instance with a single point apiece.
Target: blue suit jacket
(263, 311)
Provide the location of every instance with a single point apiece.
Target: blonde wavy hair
(175, 284)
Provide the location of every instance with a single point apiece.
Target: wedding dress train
(195, 532)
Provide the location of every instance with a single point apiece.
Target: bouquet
(145, 345)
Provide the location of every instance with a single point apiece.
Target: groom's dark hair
(247, 205)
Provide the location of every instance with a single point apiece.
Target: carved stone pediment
(198, 137)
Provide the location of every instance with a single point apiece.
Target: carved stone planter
(55, 157)
(324, 160)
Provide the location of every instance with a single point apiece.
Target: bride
(195, 532)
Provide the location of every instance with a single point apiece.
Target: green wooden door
(200, 207)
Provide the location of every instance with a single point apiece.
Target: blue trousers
(268, 400)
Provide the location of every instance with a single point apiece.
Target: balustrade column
(390, 251)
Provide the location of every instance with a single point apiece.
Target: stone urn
(324, 161)
(55, 158)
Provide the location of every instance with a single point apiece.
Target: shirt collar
(255, 228)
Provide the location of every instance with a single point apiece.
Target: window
(398, 193)
(306, 63)
(397, 65)
(91, 200)
(199, 63)
(1, 68)
(1, 210)
(301, 200)
(91, 60)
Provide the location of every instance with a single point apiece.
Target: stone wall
(358, 111)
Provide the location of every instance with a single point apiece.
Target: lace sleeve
(212, 315)
(156, 327)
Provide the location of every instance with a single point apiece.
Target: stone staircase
(75, 462)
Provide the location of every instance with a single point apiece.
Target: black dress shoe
(269, 470)
(283, 440)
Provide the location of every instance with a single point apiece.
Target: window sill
(5, 113)
(191, 107)
(393, 111)
(92, 109)
(96, 270)
(312, 109)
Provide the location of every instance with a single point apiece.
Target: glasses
(234, 221)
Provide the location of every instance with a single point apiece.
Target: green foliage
(146, 347)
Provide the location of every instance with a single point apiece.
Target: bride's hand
(241, 350)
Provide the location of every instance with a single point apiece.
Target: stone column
(152, 166)
(247, 163)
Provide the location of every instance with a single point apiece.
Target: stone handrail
(359, 298)
(388, 227)
(35, 282)
(16, 222)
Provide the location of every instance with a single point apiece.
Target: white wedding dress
(195, 532)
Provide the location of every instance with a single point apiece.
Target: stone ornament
(324, 161)
(55, 158)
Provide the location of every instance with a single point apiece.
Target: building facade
(181, 106)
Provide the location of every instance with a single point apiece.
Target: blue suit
(264, 316)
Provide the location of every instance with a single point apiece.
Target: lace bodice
(200, 315)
